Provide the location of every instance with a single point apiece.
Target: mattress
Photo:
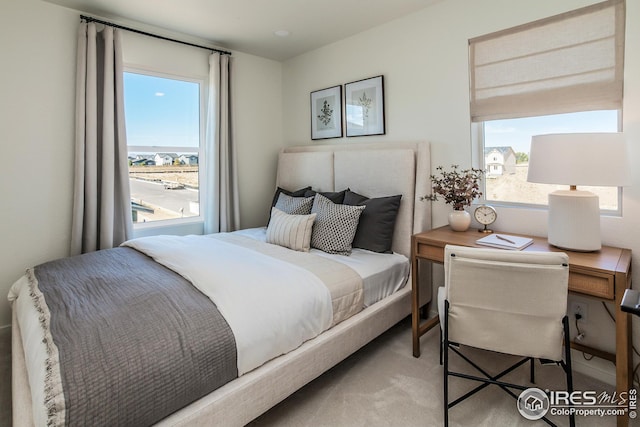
(382, 274)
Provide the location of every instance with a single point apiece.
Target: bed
(375, 170)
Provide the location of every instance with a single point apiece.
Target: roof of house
(502, 150)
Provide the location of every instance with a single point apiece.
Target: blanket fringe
(53, 393)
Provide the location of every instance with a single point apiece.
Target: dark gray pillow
(377, 222)
(334, 196)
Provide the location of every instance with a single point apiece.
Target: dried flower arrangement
(458, 187)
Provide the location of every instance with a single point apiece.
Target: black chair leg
(567, 364)
(532, 372)
(446, 345)
(445, 349)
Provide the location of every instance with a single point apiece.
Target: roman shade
(565, 63)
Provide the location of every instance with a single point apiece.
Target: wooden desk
(604, 274)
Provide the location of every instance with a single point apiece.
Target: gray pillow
(296, 193)
(294, 205)
(335, 225)
(279, 190)
(377, 222)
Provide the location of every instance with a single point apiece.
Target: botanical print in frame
(326, 113)
(364, 105)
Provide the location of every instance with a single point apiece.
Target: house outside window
(562, 74)
(506, 177)
(163, 121)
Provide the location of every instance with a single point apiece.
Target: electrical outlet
(581, 309)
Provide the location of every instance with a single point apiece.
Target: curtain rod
(89, 19)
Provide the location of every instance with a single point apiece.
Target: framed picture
(364, 105)
(326, 113)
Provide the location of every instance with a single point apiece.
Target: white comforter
(272, 306)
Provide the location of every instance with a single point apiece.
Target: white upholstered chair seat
(511, 302)
(508, 294)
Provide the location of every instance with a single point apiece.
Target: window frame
(188, 225)
(478, 161)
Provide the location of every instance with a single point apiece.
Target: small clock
(485, 215)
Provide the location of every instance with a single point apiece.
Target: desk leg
(624, 356)
(415, 307)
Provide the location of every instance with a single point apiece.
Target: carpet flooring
(384, 385)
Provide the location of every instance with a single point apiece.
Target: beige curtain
(221, 211)
(565, 63)
(101, 205)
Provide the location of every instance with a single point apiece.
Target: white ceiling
(249, 25)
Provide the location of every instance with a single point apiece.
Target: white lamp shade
(597, 159)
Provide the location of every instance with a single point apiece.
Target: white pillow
(290, 231)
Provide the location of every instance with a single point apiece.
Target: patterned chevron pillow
(335, 225)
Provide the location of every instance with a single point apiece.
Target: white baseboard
(597, 368)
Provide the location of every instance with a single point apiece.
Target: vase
(459, 220)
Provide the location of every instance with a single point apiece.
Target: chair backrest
(507, 301)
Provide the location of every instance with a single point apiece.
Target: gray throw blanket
(135, 341)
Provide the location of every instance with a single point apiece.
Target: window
(163, 134)
(562, 74)
(507, 181)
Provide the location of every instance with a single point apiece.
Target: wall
(424, 60)
(37, 83)
(37, 41)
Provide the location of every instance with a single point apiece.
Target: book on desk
(505, 241)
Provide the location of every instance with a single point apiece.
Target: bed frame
(376, 169)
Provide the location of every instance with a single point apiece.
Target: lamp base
(574, 220)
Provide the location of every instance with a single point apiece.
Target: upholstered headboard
(373, 170)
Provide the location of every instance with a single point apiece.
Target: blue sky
(160, 111)
(517, 132)
(165, 112)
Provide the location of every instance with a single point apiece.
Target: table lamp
(597, 159)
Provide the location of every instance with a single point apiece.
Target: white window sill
(180, 227)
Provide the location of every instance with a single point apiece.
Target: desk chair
(631, 302)
(510, 302)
